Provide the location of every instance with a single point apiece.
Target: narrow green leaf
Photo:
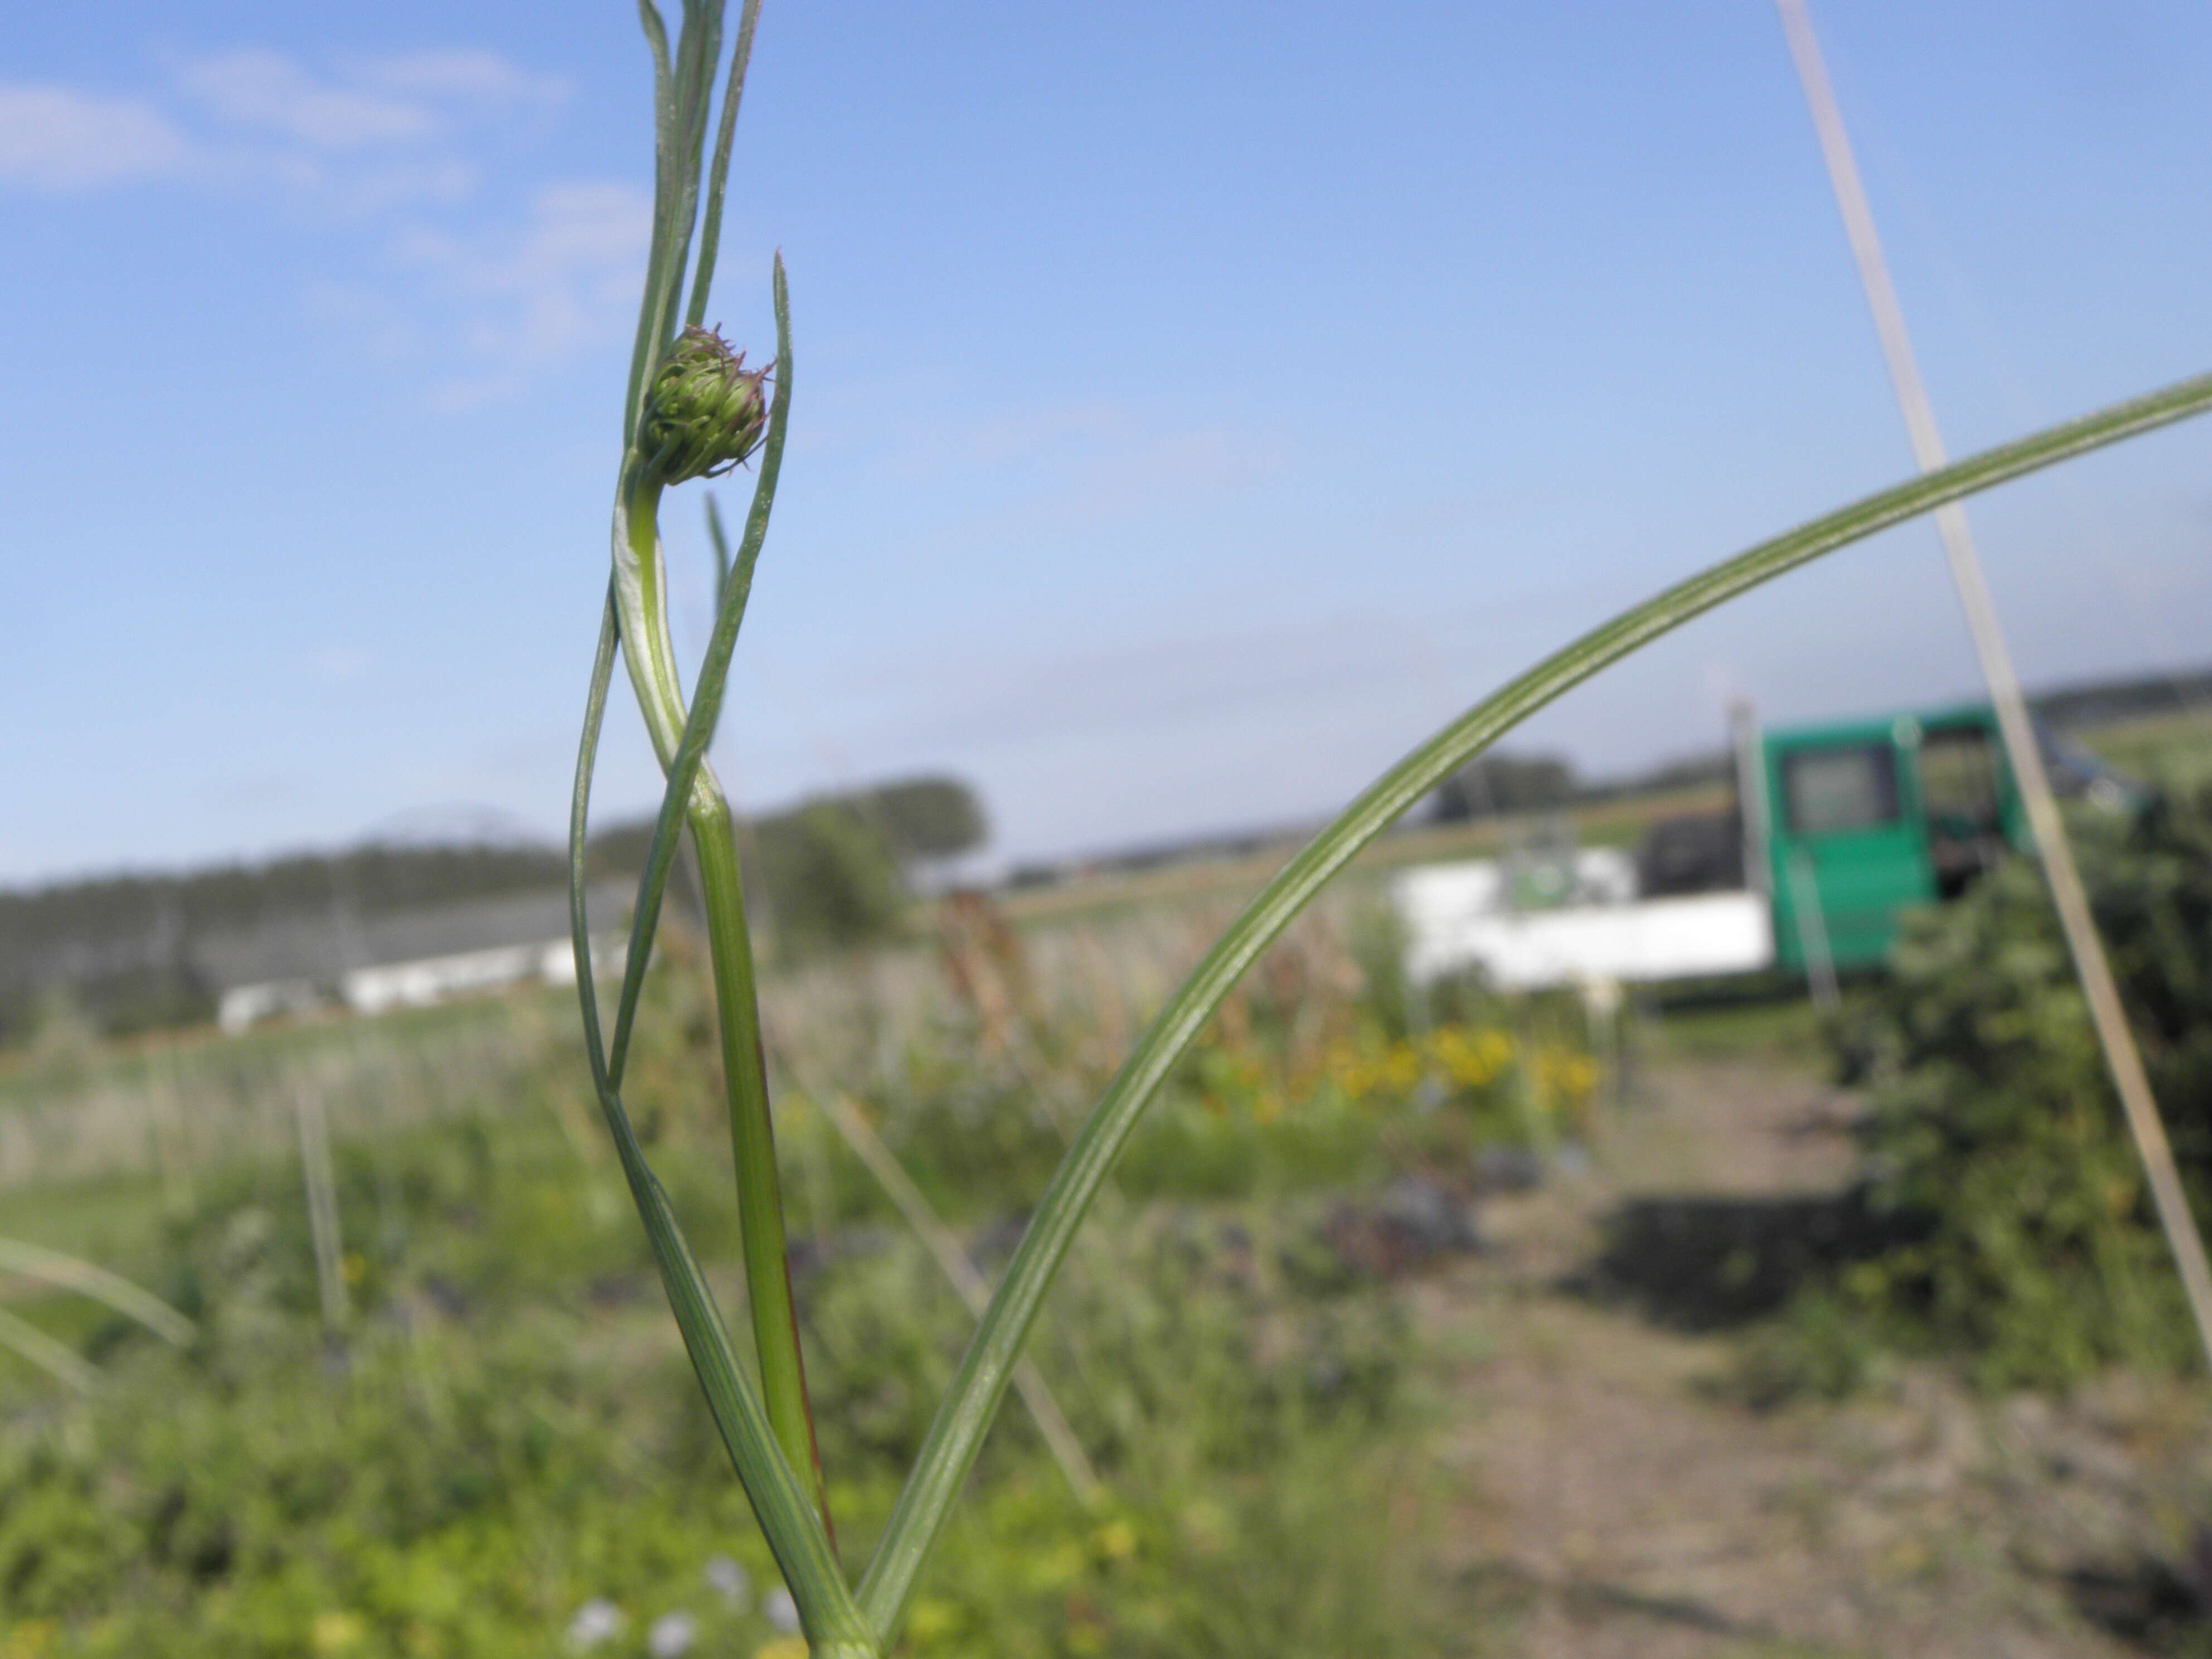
(580, 810)
(718, 175)
(965, 1416)
(698, 48)
(720, 541)
(645, 352)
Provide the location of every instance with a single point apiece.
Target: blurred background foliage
(494, 1446)
(2026, 1245)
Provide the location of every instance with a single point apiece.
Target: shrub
(1993, 1115)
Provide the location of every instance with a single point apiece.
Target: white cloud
(484, 77)
(410, 99)
(390, 145)
(263, 89)
(539, 289)
(58, 138)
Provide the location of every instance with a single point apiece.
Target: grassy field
(489, 1444)
(2173, 750)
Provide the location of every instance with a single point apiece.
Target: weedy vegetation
(2012, 1228)
(503, 1452)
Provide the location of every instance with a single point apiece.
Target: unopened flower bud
(705, 412)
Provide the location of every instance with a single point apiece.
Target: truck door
(1851, 852)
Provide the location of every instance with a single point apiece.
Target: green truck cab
(1864, 818)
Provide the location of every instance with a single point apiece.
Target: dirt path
(1608, 1493)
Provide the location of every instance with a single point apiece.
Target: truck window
(1827, 790)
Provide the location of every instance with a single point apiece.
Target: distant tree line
(2106, 702)
(1498, 786)
(1491, 785)
(834, 870)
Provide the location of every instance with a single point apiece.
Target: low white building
(407, 959)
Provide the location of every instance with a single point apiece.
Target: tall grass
(503, 1432)
(176, 1104)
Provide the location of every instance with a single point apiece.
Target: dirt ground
(1608, 1490)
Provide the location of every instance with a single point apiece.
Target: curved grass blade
(72, 1273)
(964, 1418)
(56, 1358)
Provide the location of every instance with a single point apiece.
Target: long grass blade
(698, 48)
(964, 1418)
(718, 174)
(646, 350)
(71, 1273)
(55, 1357)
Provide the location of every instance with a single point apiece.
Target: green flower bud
(705, 412)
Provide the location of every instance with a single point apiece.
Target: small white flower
(597, 1622)
(729, 1581)
(782, 1612)
(672, 1635)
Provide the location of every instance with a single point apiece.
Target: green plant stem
(651, 657)
(964, 1418)
(783, 1504)
(752, 1141)
(650, 654)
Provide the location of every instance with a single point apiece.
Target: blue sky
(1194, 405)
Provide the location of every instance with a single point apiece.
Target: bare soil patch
(1606, 1491)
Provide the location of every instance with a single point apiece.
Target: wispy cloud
(266, 92)
(535, 291)
(483, 78)
(387, 143)
(60, 139)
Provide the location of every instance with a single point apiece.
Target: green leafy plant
(1994, 1121)
(676, 424)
